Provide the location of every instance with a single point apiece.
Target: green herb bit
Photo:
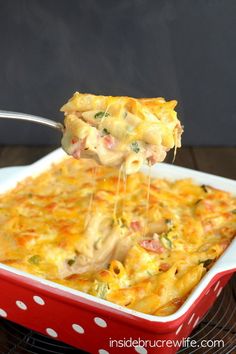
(135, 147)
(105, 131)
(34, 259)
(168, 222)
(204, 187)
(166, 241)
(198, 201)
(206, 263)
(122, 222)
(233, 211)
(70, 262)
(100, 115)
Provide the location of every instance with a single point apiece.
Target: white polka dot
(217, 284)
(191, 318)
(219, 291)
(103, 351)
(3, 313)
(21, 305)
(196, 322)
(39, 300)
(179, 329)
(141, 350)
(100, 322)
(77, 328)
(51, 332)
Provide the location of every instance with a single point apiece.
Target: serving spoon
(32, 118)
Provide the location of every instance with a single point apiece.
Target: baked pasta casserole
(117, 131)
(95, 229)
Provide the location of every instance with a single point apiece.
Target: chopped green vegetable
(168, 222)
(233, 211)
(204, 187)
(125, 114)
(70, 262)
(122, 222)
(135, 147)
(105, 131)
(166, 241)
(34, 259)
(206, 263)
(198, 201)
(100, 115)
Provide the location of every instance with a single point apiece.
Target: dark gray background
(183, 49)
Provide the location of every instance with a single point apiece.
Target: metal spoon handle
(32, 118)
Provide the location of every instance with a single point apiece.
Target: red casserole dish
(94, 325)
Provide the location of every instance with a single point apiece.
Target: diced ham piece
(152, 159)
(79, 147)
(74, 140)
(152, 245)
(164, 267)
(135, 225)
(76, 154)
(155, 154)
(109, 141)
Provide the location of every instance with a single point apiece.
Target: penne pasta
(133, 162)
(152, 135)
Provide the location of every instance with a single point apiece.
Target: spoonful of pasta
(115, 131)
